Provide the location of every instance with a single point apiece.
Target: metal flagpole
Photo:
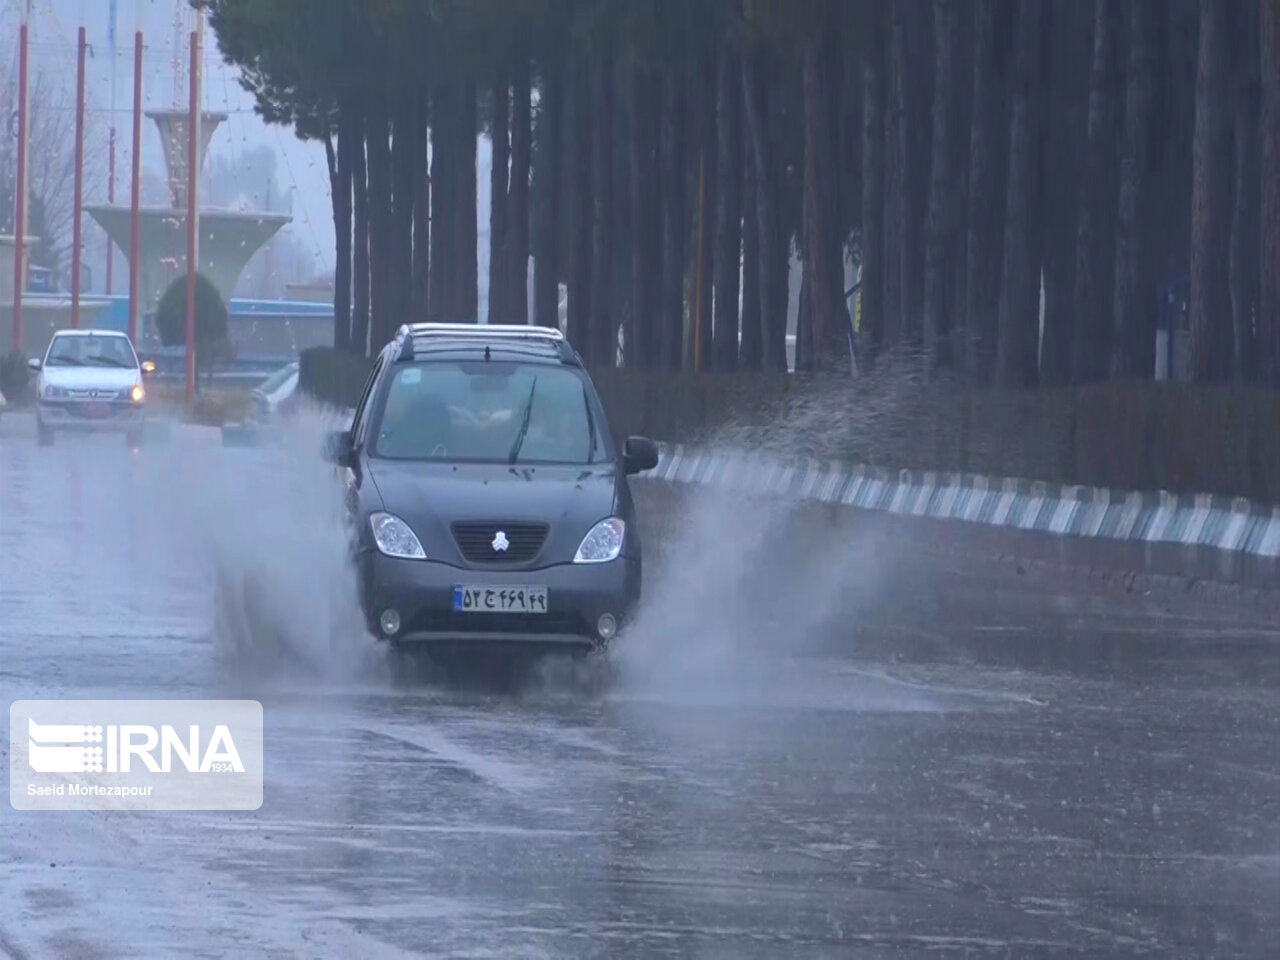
(78, 190)
(20, 198)
(135, 218)
(193, 226)
(111, 135)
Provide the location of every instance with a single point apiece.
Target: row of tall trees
(1023, 188)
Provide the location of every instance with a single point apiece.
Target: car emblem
(500, 542)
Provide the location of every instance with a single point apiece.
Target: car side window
(361, 419)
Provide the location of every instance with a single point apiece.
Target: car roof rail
(508, 332)
(485, 330)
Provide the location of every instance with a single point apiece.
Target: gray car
(486, 497)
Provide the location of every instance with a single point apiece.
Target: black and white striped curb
(1225, 523)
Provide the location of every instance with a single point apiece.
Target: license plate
(472, 599)
(97, 410)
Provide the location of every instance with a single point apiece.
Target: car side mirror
(148, 367)
(35, 363)
(639, 454)
(338, 449)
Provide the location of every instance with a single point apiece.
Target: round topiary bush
(212, 344)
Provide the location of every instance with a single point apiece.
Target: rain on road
(884, 753)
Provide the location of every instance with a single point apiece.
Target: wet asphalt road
(816, 745)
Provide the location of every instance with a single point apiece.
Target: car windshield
(90, 351)
(488, 411)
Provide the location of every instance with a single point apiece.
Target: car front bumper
(421, 593)
(90, 416)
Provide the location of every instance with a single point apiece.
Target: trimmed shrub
(15, 378)
(212, 338)
(333, 377)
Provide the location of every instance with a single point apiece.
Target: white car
(90, 381)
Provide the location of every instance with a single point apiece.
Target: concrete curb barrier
(1197, 535)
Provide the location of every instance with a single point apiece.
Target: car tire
(44, 435)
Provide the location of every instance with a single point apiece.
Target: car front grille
(476, 541)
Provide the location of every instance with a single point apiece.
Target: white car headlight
(603, 542)
(394, 538)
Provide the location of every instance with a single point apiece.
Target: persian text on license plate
(479, 599)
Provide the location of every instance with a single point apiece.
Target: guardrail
(1230, 524)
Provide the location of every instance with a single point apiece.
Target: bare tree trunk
(1211, 337)
(705, 225)
(404, 164)
(468, 284)
(913, 23)
(516, 250)
(988, 156)
(671, 312)
(646, 249)
(623, 238)
(348, 143)
(580, 204)
(1016, 347)
(444, 195)
(360, 229)
(380, 232)
(421, 210)
(757, 77)
(871, 287)
(729, 175)
(940, 230)
(751, 346)
(896, 185)
(1134, 309)
(604, 320)
(1269, 124)
(823, 276)
(1095, 248)
(498, 186)
(546, 183)
(1244, 224)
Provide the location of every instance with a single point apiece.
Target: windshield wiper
(60, 362)
(591, 428)
(524, 424)
(105, 361)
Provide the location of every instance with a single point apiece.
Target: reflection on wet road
(882, 782)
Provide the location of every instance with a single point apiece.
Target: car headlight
(394, 538)
(136, 393)
(603, 542)
(52, 393)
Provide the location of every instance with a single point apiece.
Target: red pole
(193, 172)
(135, 221)
(111, 194)
(20, 212)
(79, 185)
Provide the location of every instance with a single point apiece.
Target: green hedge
(333, 377)
(15, 378)
(1126, 435)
